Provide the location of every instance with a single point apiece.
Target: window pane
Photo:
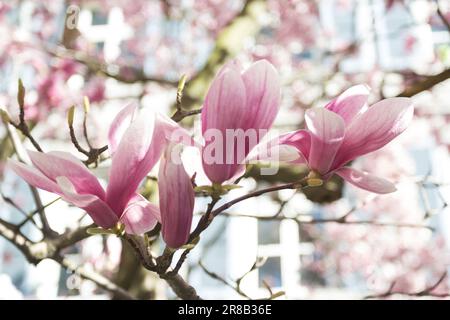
(268, 232)
(100, 46)
(310, 273)
(99, 18)
(305, 233)
(270, 272)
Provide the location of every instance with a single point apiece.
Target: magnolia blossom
(176, 198)
(136, 144)
(346, 129)
(247, 102)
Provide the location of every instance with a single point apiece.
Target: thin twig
(48, 231)
(87, 106)
(427, 292)
(99, 67)
(215, 276)
(22, 126)
(28, 217)
(340, 220)
(17, 146)
(97, 278)
(180, 115)
(93, 153)
(236, 286)
(291, 185)
(442, 16)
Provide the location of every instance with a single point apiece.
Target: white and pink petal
(327, 131)
(140, 216)
(366, 181)
(351, 102)
(374, 128)
(96, 208)
(56, 164)
(119, 125)
(33, 176)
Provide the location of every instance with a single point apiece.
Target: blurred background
(115, 52)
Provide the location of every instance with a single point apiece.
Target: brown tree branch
(71, 237)
(9, 232)
(180, 287)
(100, 67)
(36, 252)
(425, 84)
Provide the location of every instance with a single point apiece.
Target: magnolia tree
(265, 112)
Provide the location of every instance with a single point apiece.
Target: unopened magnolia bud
(70, 115)
(314, 179)
(314, 182)
(97, 230)
(5, 116)
(21, 94)
(181, 83)
(86, 104)
(176, 201)
(119, 229)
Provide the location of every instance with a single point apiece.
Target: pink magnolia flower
(136, 144)
(238, 101)
(346, 129)
(176, 199)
